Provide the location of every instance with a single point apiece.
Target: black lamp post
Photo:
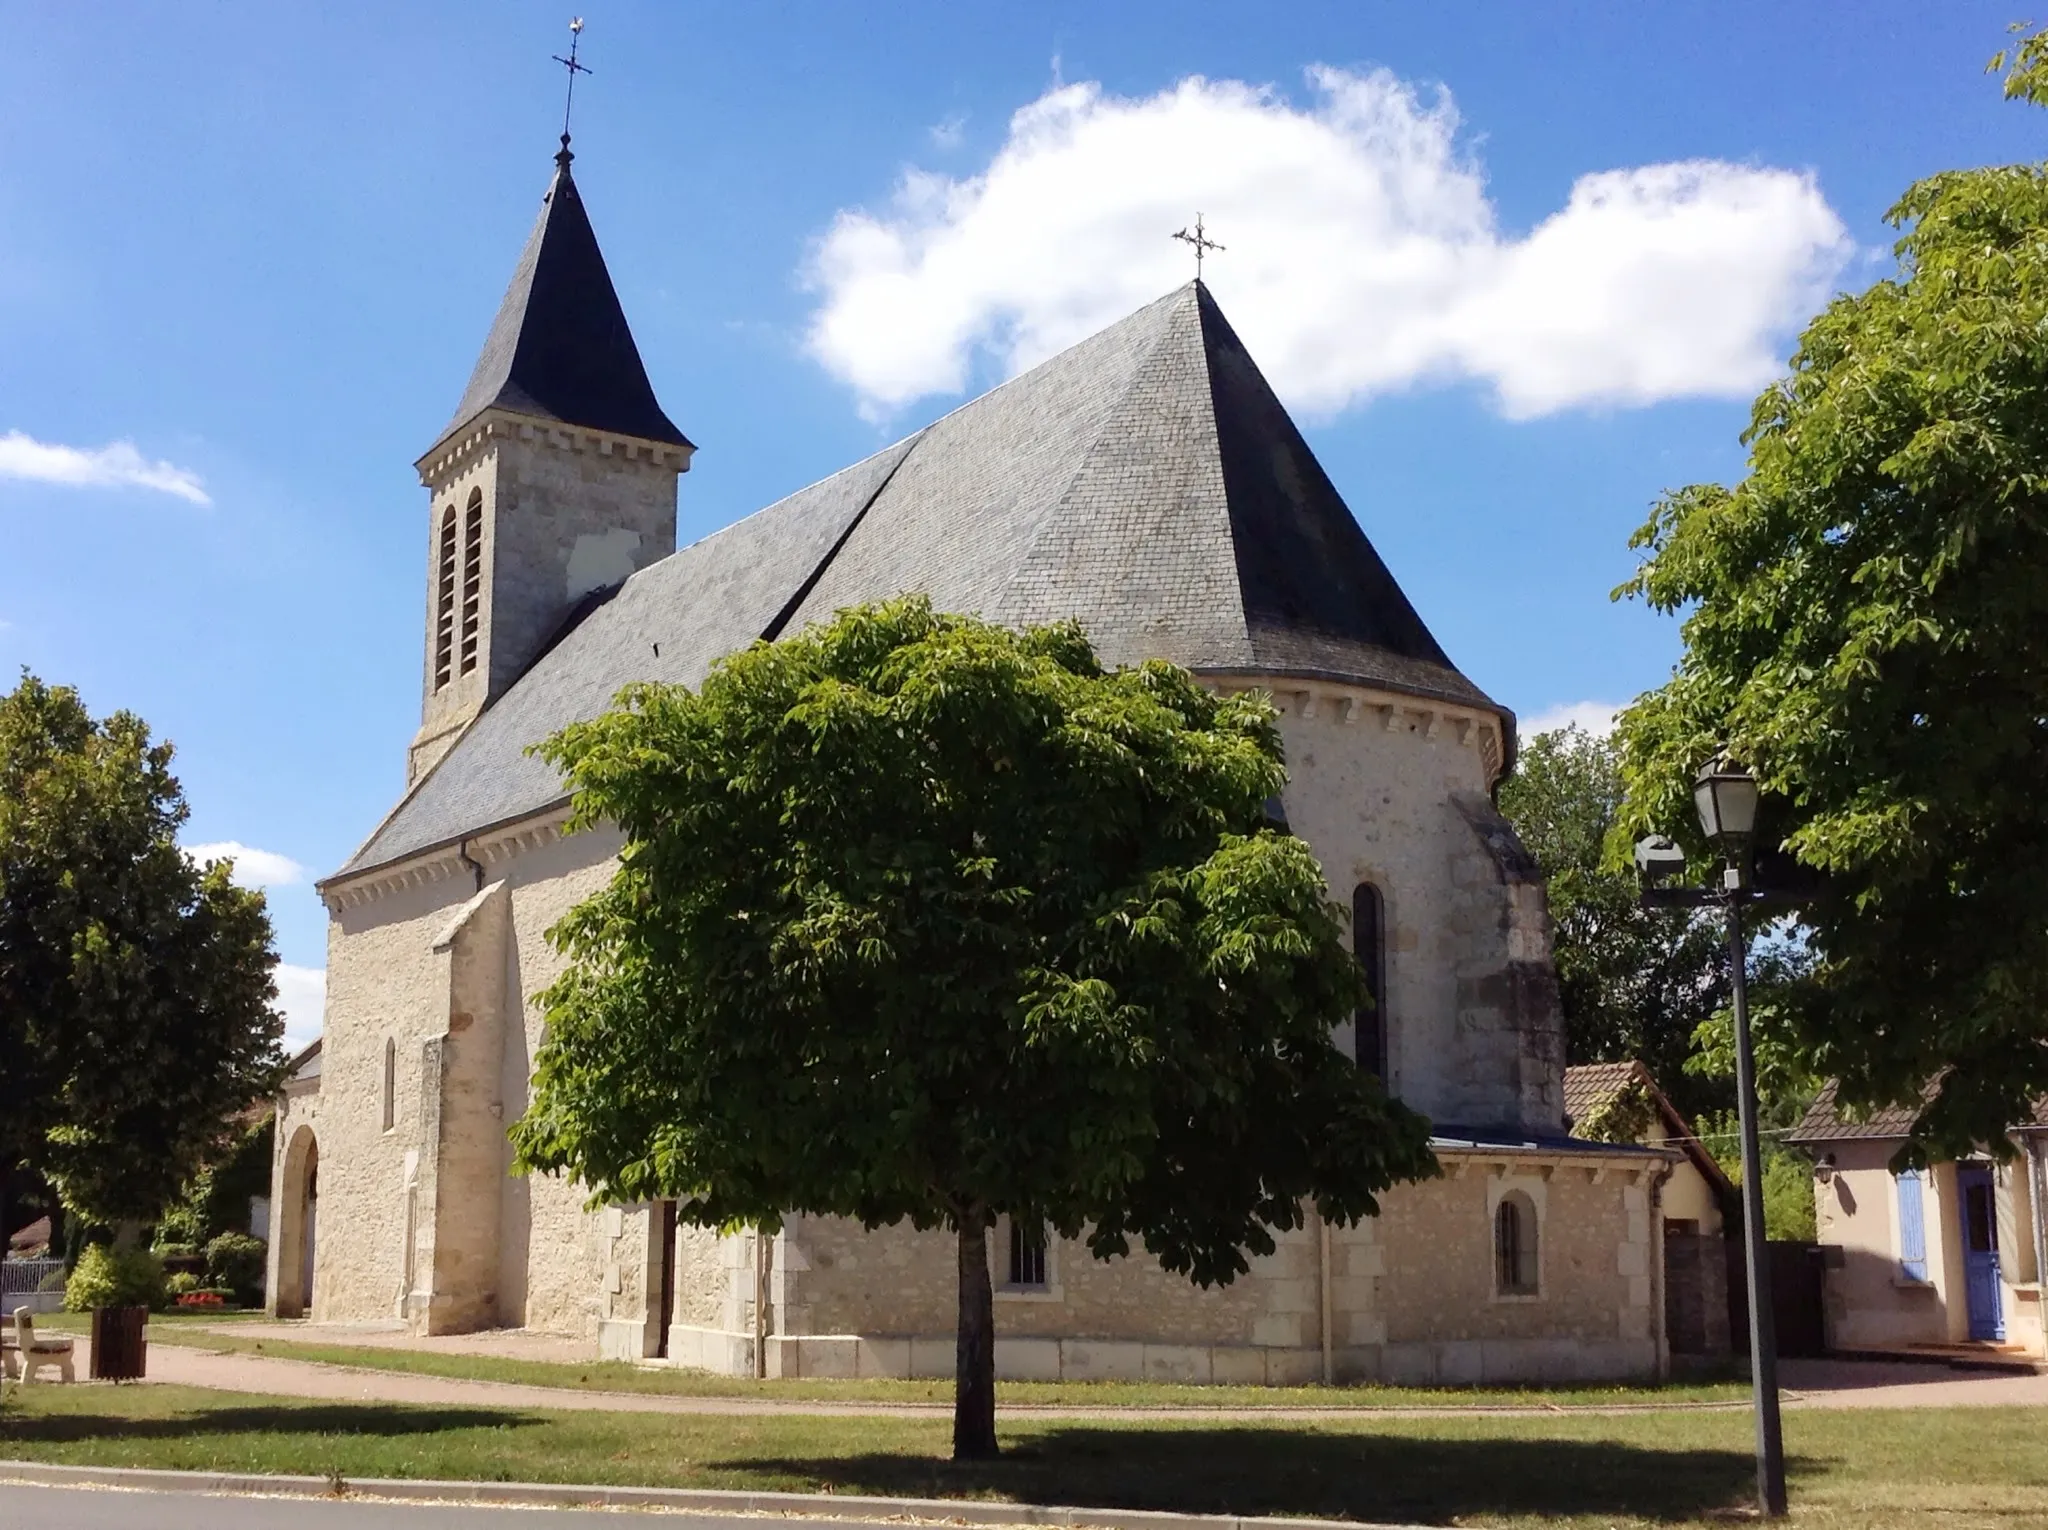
(1726, 797)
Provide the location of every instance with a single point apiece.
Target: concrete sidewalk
(1807, 1384)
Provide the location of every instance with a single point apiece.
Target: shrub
(54, 1281)
(191, 1299)
(235, 1260)
(181, 1224)
(104, 1278)
(182, 1284)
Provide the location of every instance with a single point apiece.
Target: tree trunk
(974, 1355)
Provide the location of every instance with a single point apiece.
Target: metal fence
(21, 1277)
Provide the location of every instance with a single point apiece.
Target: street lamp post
(1725, 796)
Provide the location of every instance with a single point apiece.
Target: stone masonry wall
(1411, 1294)
(566, 511)
(1375, 786)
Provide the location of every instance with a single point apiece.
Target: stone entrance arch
(294, 1226)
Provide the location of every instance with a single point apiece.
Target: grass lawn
(1962, 1468)
(618, 1376)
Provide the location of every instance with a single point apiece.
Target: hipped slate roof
(1146, 481)
(560, 348)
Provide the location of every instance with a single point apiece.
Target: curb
(842, 1506)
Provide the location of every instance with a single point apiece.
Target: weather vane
(1200, 240)
(574, 68)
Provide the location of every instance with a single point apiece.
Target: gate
(1796, 1306)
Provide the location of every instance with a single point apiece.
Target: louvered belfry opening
(472, 577)
(444, 604)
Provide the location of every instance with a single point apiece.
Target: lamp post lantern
(1726, 796)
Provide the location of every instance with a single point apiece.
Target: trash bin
(119, 1351)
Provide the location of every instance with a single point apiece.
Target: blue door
(1980, 1251)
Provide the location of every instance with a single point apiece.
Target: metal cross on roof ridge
(574, 68)
(1201, 241)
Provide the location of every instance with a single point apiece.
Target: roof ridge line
(810, 582)
(1110, 416)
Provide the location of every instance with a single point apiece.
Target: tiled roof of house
(1825, 1121)
(1147, 481)
(1591, 1086)
(560, 348)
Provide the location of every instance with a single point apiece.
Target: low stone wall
(1408, 1297)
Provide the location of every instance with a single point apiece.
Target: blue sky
(1518, 268)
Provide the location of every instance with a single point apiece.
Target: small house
(1941, 1256)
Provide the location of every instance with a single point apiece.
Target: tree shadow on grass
(1355, 1475)
(368, 1420)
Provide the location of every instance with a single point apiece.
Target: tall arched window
(444, 603)
(1369, 943)
(1514, 1245)
(472, 576)
(390, 1083)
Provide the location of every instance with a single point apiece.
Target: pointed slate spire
(560, 348)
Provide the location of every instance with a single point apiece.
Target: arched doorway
(296, 1224)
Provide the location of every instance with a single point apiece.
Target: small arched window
(472, 576)
(1368, 943)
(444, 603)
(390, 1083)
(1514, 1245)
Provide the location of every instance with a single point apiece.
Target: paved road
(48, 1508)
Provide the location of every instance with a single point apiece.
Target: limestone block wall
(1410, 1296)
(566, 511)
(1395, 792)
(439, 1231)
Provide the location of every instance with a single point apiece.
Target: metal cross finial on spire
(1201, 241)
(574, 68)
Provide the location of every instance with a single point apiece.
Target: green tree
(1788, 1175)
(1867, 628)
(136, 1014)
(922, 919)
(1632, 982)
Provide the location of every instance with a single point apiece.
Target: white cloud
(949, 134)
(119, 465)
(253, 868)
(301, 996)
(1363, 254)
(1594, 717)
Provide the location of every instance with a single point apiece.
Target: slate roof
(560, 348)
(1146, 481)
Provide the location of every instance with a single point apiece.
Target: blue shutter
(1912, 1228)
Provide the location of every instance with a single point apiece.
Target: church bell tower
(555, 480)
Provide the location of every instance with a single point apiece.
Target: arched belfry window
(1369, 944)
(444, 603)
(1514, 1245)
(472, 575)
(390, 1083)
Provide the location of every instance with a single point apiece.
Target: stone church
(1146, 481)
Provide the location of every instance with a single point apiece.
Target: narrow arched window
(1369, 944)
(444, 603)
(472, 576)
(390, 1083)
(1514, 1245)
